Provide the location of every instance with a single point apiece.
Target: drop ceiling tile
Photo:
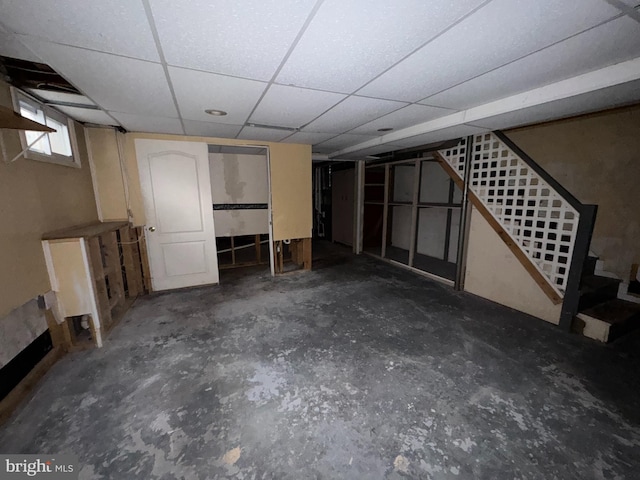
(608, 44)
(247, 39)
(53, 96)
(114, 83)
(266, 134)
(405, 117)
(355, 41)
(377, 150)
(498, 33)
(354, 111)
(149, 124)
(111, 26)
(11, 47)
(309, 138)
(88, 115)
(618, 95)
(342, 141)
(196, 91)
(293, 107)
(211, 129)
(439, 135)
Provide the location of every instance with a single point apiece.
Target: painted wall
(493, 272)
(597, 158)
(107, 174)
(35, 198)
(237, 179)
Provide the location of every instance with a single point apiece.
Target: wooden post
(129, 263)
(385, 211)
(233, 252)
(144, 259)
(306, 253)
(258, 249)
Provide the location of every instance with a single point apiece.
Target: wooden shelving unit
(96, 271)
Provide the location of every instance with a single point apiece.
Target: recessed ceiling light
(215, 113)
(385, 129)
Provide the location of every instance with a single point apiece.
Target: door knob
(152, 229)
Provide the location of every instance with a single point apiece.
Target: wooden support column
(385, 210)
(258, 249)
(414, 211)
(306, 253)
(130, 269)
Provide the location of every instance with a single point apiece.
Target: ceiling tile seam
(44, 40)
(17, 38)
(377, 118)
(163, 62)
(199, 70)
(631, 12)
(354, 93)
(439, 34)
(290, 50)
(587, 82)
(604, 22)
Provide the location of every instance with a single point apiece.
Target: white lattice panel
(541, 222)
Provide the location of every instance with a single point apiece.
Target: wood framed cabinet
(96, 272)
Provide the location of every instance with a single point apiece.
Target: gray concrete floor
(355, 370)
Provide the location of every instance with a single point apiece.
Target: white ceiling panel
(88, 115)
(53, 96)
(292, 106)
(266, 134)
(150, 124)
(352, 52)
(439, 136)
(309, 138)
(10, 46)
(341, 141)
(211, 129)
(114, 83)
(247, 39)
(498, 33)
(354, 111)
(623, 94)
(112, 26)
(196, 91)
(362, 154)
(611, 43)
(405, 117)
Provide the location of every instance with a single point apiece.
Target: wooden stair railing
(546, 228)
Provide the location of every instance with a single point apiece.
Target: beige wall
(495, 273)
(107, 173)
(597, 158)
(35, 197)
(290, 182)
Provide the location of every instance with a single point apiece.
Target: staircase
(547, 229)
(601, 315)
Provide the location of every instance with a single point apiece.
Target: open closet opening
(412, 216)
(240, 195)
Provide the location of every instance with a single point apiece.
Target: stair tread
(614, 311)
(595, 282)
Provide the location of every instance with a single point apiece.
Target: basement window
(57, 147)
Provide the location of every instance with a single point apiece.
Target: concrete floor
(355, 370)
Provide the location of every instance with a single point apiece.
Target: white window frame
(52, 113)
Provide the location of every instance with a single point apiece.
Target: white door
(176, 191)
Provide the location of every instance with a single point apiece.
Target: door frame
(269, 212)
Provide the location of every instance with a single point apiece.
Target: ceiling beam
(589, 82)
